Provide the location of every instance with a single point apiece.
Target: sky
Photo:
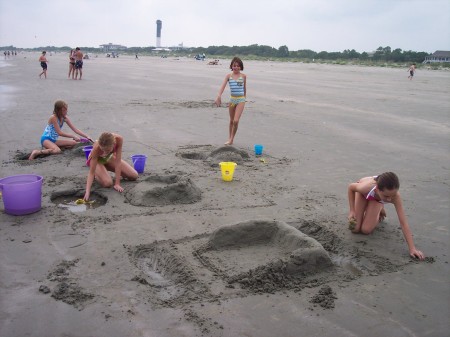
(318, 25)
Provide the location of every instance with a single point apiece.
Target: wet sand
(154, 260)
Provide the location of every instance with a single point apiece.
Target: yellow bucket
(227, 168)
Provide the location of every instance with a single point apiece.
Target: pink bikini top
(371, 196)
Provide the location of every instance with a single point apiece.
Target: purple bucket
(139, 162)
(87, 150)
(21, 194)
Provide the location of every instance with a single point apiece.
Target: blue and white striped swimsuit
(237, 90)
(50, 133)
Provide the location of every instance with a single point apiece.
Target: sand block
(299, 252)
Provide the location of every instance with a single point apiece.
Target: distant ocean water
(4, 63)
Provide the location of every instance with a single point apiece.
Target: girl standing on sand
(44, 62)
(49, 138)
(71, 64)
(238, 88)
(366, 200)
(106, 155)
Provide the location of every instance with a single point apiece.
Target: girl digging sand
(106, 155)
(238, 89)
(49, 138)
(366, 200)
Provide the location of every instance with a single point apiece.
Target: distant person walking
(238, 89)
(71, 64)
(44, 62)
(412, 70)
(78, 63)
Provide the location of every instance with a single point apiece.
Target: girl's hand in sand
(416, 254)
(351, 216)
(382, 215)
(86, 196)
(118, 188)
(218, 101)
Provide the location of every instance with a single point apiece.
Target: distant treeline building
(112, 47)
(438, 56)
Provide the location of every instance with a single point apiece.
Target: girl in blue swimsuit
(238, 89)
(50, 141)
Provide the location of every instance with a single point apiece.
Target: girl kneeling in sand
(49, 138)
(366, 200)
(106, 155)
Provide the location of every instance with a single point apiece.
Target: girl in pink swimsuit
(366, 200)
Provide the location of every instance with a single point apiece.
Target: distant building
(112, 47)
(158, 33)
(438, 56)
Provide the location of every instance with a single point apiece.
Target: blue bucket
(258, 149)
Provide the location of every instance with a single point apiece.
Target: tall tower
(158, 33)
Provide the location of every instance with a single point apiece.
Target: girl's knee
(105, 182)
(366, 230)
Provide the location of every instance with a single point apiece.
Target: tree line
(382, 54)
(385, 54)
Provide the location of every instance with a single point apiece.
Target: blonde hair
(106, 139)
(58, 108)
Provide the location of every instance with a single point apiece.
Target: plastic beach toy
(227, 168)
(21, 194)
(139, 162)
(82, 202)
(87, 151)
(258, 149)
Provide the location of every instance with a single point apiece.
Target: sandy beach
(183, 253)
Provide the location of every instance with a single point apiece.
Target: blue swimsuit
(237, 90)
(50, 133)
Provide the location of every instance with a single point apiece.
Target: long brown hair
(387, 180)
(58, 109)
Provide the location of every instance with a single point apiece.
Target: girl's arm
(91, 175)
(118, 166)
(351, 190)
(245, 85)
(54, 121)
(413, 251)
(218, 100)
(74, 129)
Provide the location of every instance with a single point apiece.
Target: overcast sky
(330, 25)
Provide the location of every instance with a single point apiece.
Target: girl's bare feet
(34, 154)
(228, 143)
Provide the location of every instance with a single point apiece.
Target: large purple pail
(21, 194)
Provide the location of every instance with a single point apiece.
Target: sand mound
(163, 190)
(292, 249)
(227, 153)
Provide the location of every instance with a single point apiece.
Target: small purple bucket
(87, 150)
(139, 162)
(21, 194)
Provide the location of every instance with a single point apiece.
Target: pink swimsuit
(371, 196)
